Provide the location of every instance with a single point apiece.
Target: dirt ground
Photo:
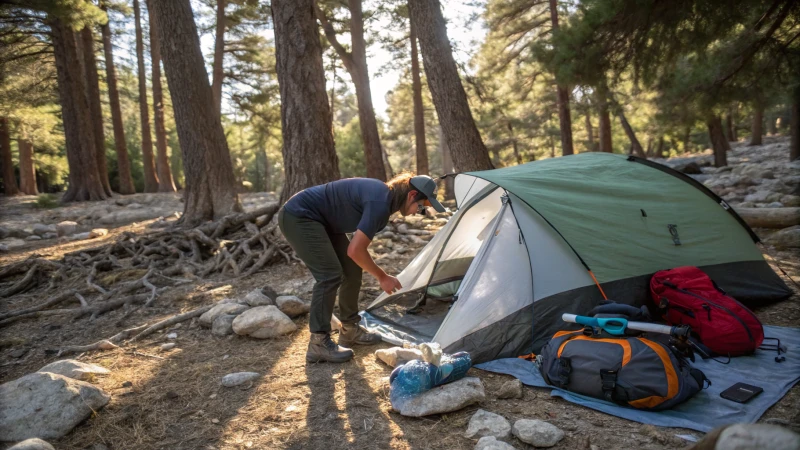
(175, 399)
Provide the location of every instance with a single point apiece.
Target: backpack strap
(609, 380)
(564, 371)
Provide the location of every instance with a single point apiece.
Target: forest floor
(174, 399)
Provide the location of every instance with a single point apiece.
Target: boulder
(269, 292)
(41, 229)
(66, 228)
(292, 306)
(537, 432)
(221, 309)
(263, 322)
(97, 232)
(46, 405)
(785, 239)
(12, 243)
(484, 423)
(19, 233)
(80, 236)
(510, 389)
(491, 443)
(32, 444)
(746, 436)
(256, 297)
(167, 347)
(774, 205)
(790, 200)
(75, 369)
(223, 325)
(238, 378)
(446, 398)
(398, 355)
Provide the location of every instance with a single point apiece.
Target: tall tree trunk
(604, 128)
(687, 135)
(84, 178)
(165, 183)
(9, 179)
(93, 93)
(447, 168)
(219, 52)
(649, 151)
(794, 127)
(419, 111)
(514, 144)
(462, 136)
(660, 148)
(211, 190)
(356, 64)
(27, 172)
(309, 154)
(150, 178)
(636, 147)
(729, 130)
(121, 147)
(267, 175)
(589, 132)
(758, 124)
(333, 95)
(718, 140)
(564, 119)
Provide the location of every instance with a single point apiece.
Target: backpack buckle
(609, 383)
(564, 370)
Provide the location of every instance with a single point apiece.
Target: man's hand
(390, 284)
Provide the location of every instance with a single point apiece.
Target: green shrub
(46, 201)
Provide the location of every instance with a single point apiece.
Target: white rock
(785, 239)
(66, 228)
(223, 325)
(128, 216)
(510, 389)
(235, 379)
(172, 336)
(97, 232)
(491, 443)
(74, 369)
(537, 432)
(33, 237)
(168, 346)
(397, 355)
(484, 423)
(46, 405)
(221, 309)
(757, 436)
(257, 298)
(446, 398)
(263, 322)
(292, 306)
(80, 236)
(41, 229)
(402, 228)
(32, 444)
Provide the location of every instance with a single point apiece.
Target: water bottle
(415, 377)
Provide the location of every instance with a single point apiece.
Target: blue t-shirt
(344, 206)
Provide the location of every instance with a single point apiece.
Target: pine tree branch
(330, 33)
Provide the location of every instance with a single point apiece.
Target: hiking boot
(321, 348)
(354, 334)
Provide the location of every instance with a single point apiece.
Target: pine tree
(165, 183)
(150, 177)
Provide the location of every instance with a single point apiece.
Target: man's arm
(357, 251)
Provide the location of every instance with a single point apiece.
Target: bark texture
(27, 171)
(419, 111)
(604, 128)
(219, 52)
(564, 118)
(309, 154)
(9, 179)
(636, 147)
(211, 190)
(718, 141)
(458, 127)
(729, 126)
(356, 64)
(120, 145)
(165, 183)
(93, 93)
(589, 132)
(447, 168)
(148, 162)
(758, 125)
(84, 179)
(660, 148)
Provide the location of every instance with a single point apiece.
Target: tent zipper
(718, 306)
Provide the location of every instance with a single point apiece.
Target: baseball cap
(427, 187)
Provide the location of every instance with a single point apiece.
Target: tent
(533, 241)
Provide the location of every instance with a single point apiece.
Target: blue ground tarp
(707, 410)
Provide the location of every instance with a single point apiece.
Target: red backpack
(686, 295)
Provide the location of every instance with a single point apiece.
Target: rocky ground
(235, 376)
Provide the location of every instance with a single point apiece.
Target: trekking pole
(617, 326)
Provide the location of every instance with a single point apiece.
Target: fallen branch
(104, 344)
(770, 217)
(171, 321)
